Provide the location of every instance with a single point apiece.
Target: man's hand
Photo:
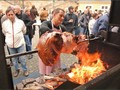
(71, 20)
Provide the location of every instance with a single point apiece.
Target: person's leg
(30, 56)
(48, 70)
(81, 30)
(28, 45)
(15, 61)
(86, 32)
(30, 40)
(27, 42)
(34, 30)
(11, 63)
(23, 60)
(77, 31)
(43, 69)
(39, 31)
(57, 66)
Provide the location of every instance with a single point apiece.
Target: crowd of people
(18, 33)
(18, 29)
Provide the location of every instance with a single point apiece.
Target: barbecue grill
(108, 47)
(109, 79)
(110, 50)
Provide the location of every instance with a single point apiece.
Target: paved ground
(66, 60)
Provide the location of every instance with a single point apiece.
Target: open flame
(90, 67)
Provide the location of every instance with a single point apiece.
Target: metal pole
(6, 81)
(20, 54)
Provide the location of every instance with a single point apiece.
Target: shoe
(16, 73)
(25, 73)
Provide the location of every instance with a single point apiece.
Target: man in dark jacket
(84, 20)
(55, 23)
(29, 33)
(70, 20)
(18, 11)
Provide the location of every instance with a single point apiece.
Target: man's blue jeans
(28, 43)
(77, 30)
(84, 31)
(22, 59)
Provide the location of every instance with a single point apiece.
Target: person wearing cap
(70, 20)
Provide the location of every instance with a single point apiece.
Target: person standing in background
(101, 24)
(88, 8)
(92, 22)
(83, 21)
(18, 11)
(43, 14)
(33, 15)
(3, 18)
(70, 20)
(33, 12)
(76, 10)
(29, 31)
(14, 30)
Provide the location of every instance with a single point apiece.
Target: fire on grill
(90, 64)
(52, 44)
(80, 73)
(90, 67)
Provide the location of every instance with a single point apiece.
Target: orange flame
(91, 67)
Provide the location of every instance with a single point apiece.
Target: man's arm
(23, 28)
(67, 20)
(45, 26)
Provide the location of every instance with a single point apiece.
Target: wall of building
(95, 4)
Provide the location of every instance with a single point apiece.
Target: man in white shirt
(13, 29)
(92, 22)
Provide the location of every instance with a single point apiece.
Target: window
(104, 8)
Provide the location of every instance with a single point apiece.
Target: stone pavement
(66, 61)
